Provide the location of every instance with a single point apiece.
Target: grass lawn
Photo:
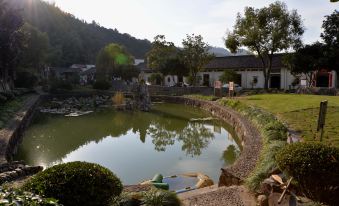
(8, 109)
(300, 112)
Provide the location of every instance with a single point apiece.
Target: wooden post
(322, 118)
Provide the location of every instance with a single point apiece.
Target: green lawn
(300, 112)
(8, 109)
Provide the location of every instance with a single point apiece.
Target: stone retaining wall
(11, 135)
(234, 174)
(246, 132)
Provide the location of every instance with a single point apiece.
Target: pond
(171, 139)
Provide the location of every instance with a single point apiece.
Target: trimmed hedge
(315, 166)
(76, 183)
(156, 197)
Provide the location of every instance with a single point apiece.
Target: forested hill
(73, 40)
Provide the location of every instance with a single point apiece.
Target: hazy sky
(175, 18)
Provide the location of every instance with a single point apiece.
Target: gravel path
(222, 196)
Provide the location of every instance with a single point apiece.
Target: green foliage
(156, 78)
(76, 183)
(274, 135)
(195, 55)
(101, 85)
(266, 31)
(25, 79)
(109, 59)
(315, 166)
(71, 39)
(35, 52)
(126, 72)
(17, 197)
(58, 85)
(228, 76)
(201, 97)
(11, 41)
(156, 197)
(161, 51)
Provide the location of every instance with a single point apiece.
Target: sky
(144, 19)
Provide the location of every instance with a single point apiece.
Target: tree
(306, 60)
(331, 38)
(266, 31)
(108, 60)
(228, 76)
(161, 51)
(195, 55)
(35, 52)
(11, 43)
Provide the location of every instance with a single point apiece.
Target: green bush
(101, 85)
(274, 137)
(155, 197)
(60, 86)
(76, 183)
(18, 197)
(25, 80)
(315, 167)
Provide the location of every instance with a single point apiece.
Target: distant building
(250, 72)
(67, 74)
(87, 76)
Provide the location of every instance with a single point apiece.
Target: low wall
(178, 91)
(246, 132)
(11, 135)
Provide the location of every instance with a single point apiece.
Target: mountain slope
(73, 40)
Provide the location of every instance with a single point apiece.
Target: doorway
(206, 80)
(275, 81)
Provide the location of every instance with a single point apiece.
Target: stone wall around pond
(11, 136)
(248, 134)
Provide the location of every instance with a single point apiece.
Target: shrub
(17, 197)
(101, 85)
(118, 98)
(274, 135)
(315, 167)
(76, 183)
(25, 80)
(155, 197)
(60, 86)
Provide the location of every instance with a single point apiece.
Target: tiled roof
(239, 62)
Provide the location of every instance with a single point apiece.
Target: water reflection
(164, 139)
(230, 154)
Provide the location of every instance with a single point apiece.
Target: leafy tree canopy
(110, 58)
(195, 55)
(266, 31)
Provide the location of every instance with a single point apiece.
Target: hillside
(73, 40)
(221, 52)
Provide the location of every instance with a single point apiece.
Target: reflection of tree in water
(195, 137)
(161, 137)
(230, 154)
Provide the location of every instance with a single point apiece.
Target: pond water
(134, 145)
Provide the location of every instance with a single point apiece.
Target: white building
(249, 68)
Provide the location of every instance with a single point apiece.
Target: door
(206, 80)
(275, 81)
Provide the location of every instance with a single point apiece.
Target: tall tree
(266, 31)
(161, 51)
(195, 55)
(331, 39)
(306, 60)
(11, 43)
(109, 59)
(35, 52)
